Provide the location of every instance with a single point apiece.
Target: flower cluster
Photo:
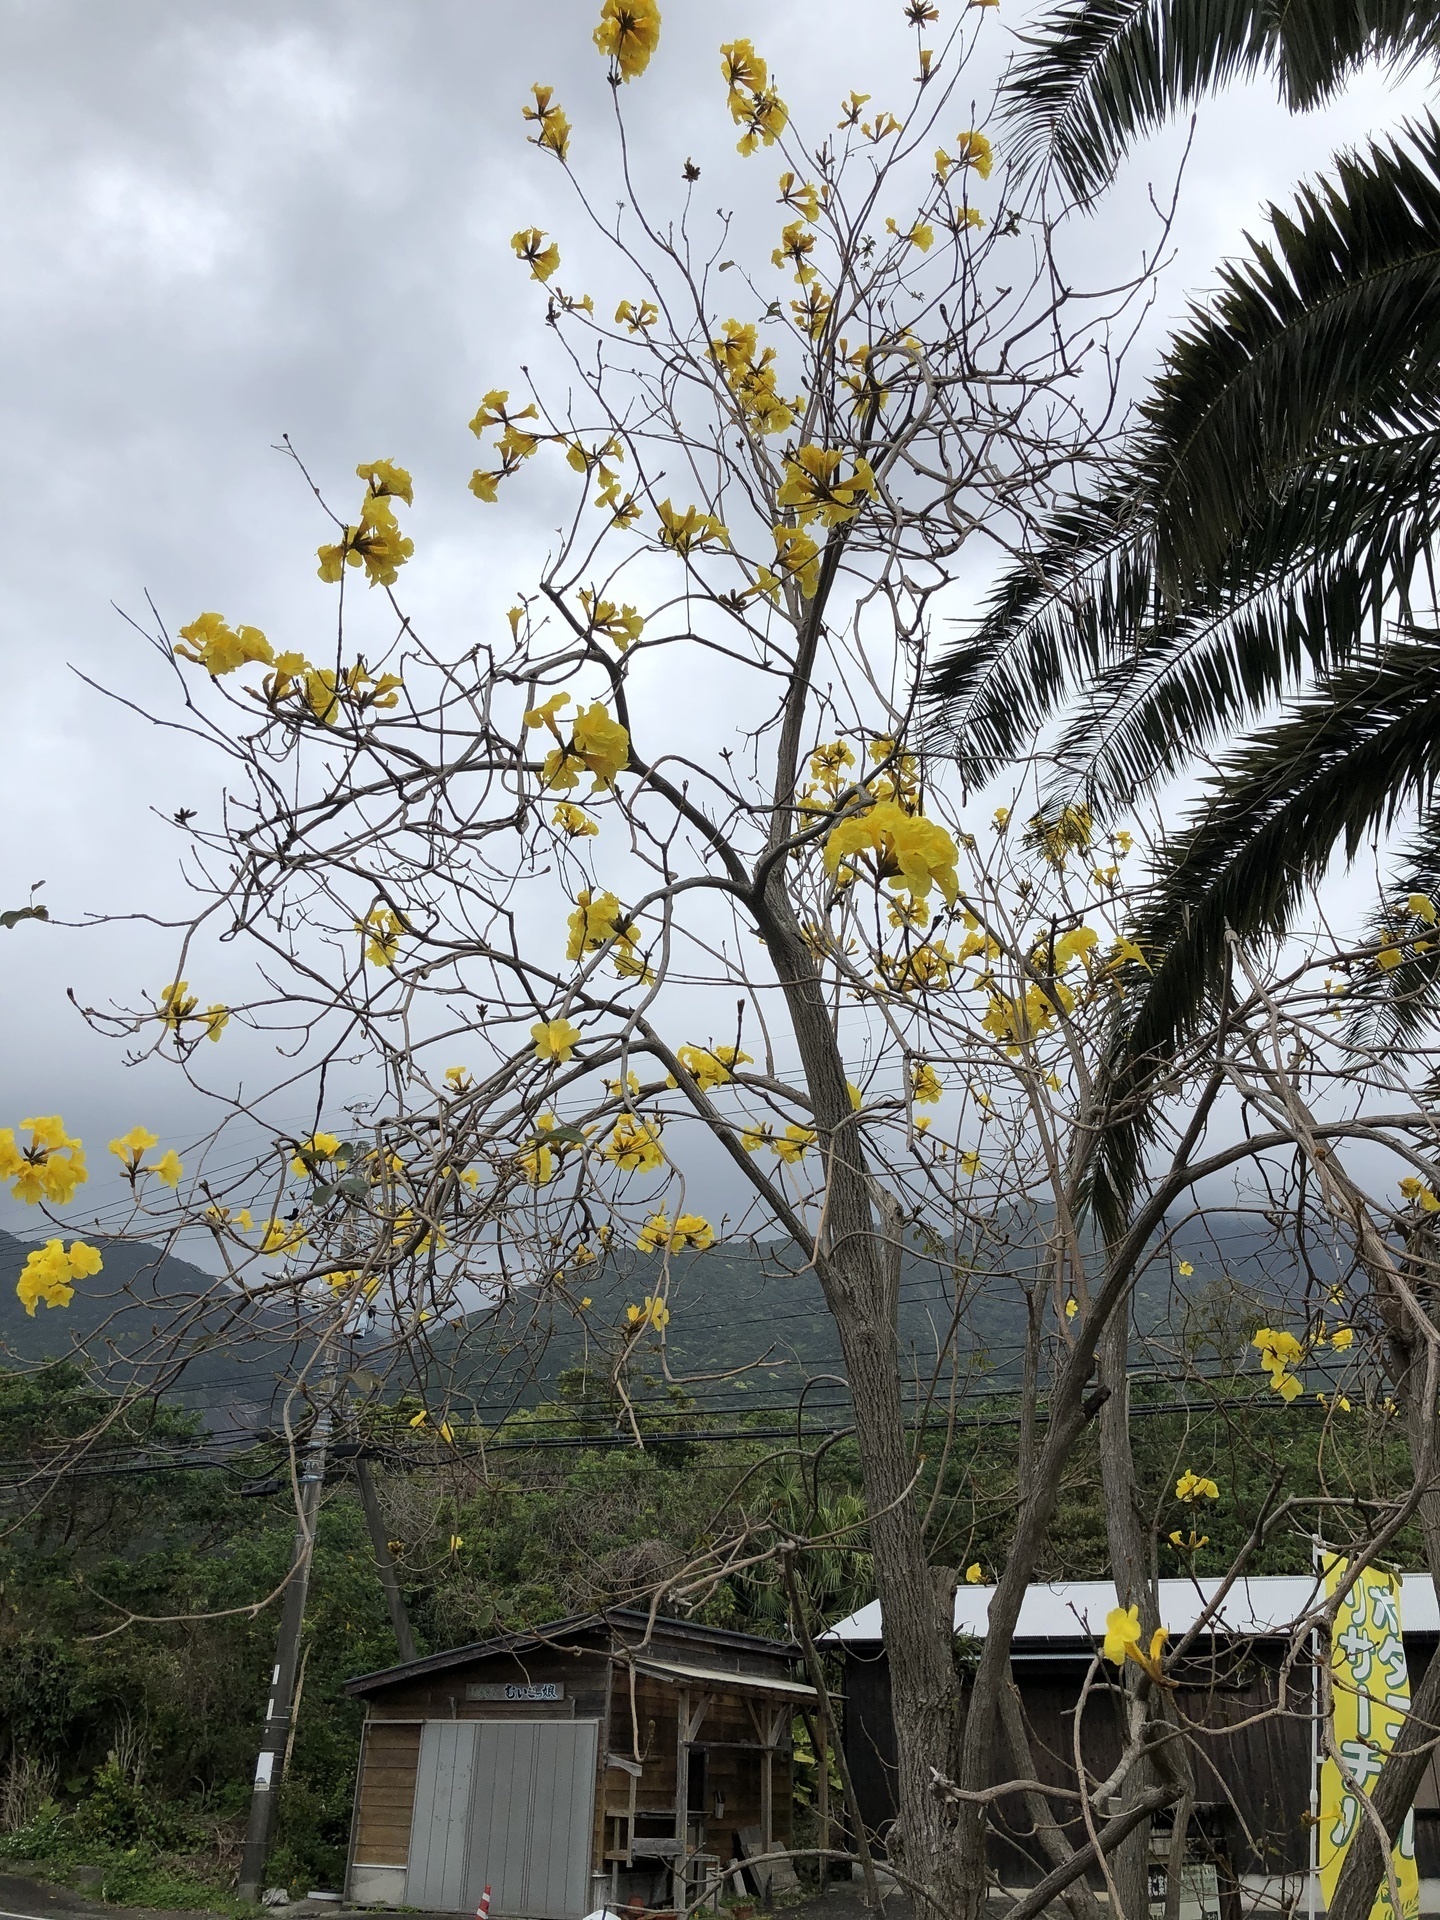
(754, 104)
(1279, 1353)
(375, 542)
(1192, 1486)
(653, 1313)
(177, 1006)
(689, 1230)
(50, 1273)
(49, 1166)
(597, 922)
(598, 745)
(903, 848)
(817, 489)
(130, 1150)
(749, 372)
(628, 33)
(1122, 1642)
(552, 128)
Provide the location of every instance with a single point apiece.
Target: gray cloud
(223, 224)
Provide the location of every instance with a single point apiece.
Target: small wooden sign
(515, 1690)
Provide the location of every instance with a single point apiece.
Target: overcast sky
(227, 222)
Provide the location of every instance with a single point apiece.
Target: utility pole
(270, 1764)
(384, 1564)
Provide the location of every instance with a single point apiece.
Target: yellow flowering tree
(663, 853)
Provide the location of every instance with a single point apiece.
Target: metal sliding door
(508, 1804)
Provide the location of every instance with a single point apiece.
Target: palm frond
(1275, 497)
(1098, 74)
(1345, 761)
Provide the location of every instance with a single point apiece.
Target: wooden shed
(1251, 1740)
(593, 1758)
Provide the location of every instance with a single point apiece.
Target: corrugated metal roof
(1075, 1610)
(685, 1676)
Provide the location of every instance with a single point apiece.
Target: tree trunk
(858, 1260)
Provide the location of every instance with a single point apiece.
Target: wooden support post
(820, 1740)
(767, 1785)
(682, 1794)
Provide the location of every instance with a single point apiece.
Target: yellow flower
(49, 1273)
(1191, 1487)
(973, 150)
(970, 1162)
(637, 319)
(621, 625)
(921, 234)
(602, 744)
(554, 1039)
(1423, 908)
(691, 530)
(418, 1419)
(573, 820)
(1342, 1338)
(974, 1573)
(815, 487)
(385, 479)
(167, 1168)
(281, 1236)
(1389, 958)
(710, 1066)
(753, 102)
(221, 649)
(1186, 1269)
(797, 559)
(794, 1143)
(689, 1230)
(907, 848)
(49, 1167)
(1122, 1632)
(804, 199)
(537, 1163)
(132, 1145)
(628, 33)
(176, 1004)
(654, 1313)
(756, 1137)
(458, 1078)
(457, 1541)
(1192, 1545)
(1072, 1307)
(529, 245)
(635, 1145)
(1420, 1193)
(384, 929)
(553, 127)
(320, 1146)
(850, 110)
(595, 922)
(215, 1019)
(1278, 1350)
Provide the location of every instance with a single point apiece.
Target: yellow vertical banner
(1371, 1690)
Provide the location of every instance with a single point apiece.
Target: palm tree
(1265, 534)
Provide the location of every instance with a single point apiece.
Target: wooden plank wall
(388, 1762)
